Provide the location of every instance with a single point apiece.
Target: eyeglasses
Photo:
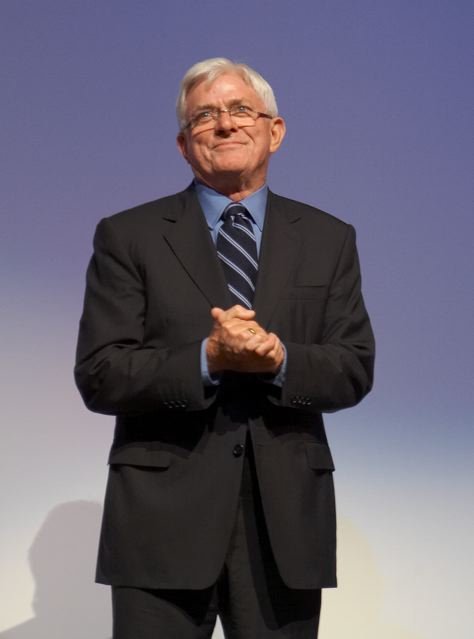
(241, 115)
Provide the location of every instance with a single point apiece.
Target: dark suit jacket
(174, 476)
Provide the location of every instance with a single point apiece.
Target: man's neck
(234, 191)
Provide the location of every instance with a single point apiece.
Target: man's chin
(229, 166)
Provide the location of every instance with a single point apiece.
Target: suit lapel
(191, 242)
(278, 253)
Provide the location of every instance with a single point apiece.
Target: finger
(272, 348)
(277, 354)
(253, 343)
(265, 346)
(274, 355)
(240, 312)
(217, 312)
(247, 328)
(256, 338)
(234, 312)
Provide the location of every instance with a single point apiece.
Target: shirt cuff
(208, 379)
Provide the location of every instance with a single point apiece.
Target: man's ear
(181, 144)
(278, 130)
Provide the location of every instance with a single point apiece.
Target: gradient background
(377, 99)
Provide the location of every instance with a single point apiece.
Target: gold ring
(252, 330)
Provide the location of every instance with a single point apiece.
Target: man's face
(226, 156)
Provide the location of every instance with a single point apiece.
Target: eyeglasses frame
(215, 114)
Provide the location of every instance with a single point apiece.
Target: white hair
(209, 70)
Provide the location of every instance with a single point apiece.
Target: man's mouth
(228, 143)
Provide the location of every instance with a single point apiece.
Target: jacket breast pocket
(306, 292)
(300, 314)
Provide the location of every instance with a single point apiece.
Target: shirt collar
(213, 203)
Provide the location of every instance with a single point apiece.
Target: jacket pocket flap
(319, 457)
(133, 456)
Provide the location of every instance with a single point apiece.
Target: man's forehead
(226, 85)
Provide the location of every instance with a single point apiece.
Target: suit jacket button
(238, 450)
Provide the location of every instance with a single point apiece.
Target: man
(218, 334)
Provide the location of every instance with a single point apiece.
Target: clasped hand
(238, 343)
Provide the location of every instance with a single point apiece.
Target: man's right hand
(237, 342)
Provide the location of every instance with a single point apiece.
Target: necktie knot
(233, 210)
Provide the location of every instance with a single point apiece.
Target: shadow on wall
(66, 603)
(355, 609)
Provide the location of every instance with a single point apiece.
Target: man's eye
(203, 116)
(241, 109)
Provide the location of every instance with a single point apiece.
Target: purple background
(377, 99)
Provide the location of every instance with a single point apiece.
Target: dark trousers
(249, 597)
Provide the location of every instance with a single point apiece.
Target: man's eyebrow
(204, 107)
(228, 103)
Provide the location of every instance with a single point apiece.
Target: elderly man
(218, 324)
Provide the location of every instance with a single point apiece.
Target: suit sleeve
(336, 372)
(117, 371)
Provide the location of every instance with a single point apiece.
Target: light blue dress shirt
(213, 204)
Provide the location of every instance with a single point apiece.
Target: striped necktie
(237, 250)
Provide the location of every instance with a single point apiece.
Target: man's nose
(225, 121)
